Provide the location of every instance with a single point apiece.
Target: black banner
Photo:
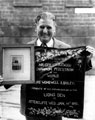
(59, 88)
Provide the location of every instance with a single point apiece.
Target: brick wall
(17, 21)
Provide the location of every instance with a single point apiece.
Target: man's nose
(45, 30)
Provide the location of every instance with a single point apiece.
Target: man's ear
(36, 29)
(54, 31)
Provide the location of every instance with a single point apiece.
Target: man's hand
(90, 50)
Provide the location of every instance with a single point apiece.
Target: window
(27, 3)
(79, 3)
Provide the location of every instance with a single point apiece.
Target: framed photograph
(18, 64)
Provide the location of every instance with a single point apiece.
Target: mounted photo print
(18, 64)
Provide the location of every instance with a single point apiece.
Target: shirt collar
(49, 44)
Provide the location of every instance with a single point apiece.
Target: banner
(59, 88)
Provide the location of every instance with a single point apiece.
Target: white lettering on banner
(49, 94)
(61, 95)
(63, 69)
(38, 102)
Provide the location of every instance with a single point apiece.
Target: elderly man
(46, 29)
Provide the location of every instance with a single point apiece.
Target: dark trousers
(43, 118)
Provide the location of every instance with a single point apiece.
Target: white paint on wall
(84, 10)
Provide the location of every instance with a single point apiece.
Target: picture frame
(18, 64)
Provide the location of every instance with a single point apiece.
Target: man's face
(45, 30)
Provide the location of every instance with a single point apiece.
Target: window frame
(26, 4)
(75, 4)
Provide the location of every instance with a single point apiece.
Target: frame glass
(18, 64)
